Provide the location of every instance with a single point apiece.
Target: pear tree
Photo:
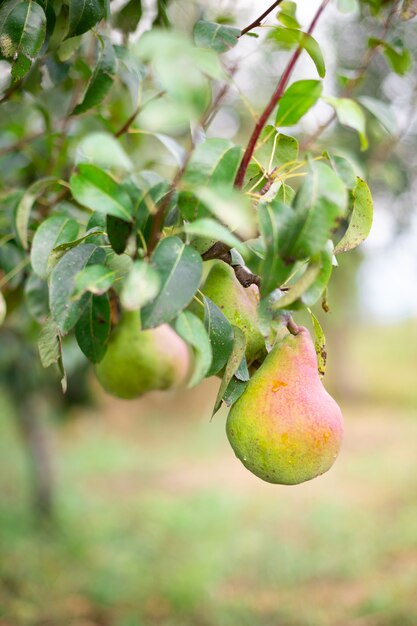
(165, 246)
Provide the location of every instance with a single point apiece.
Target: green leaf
(381, 111)
(118, 232)
(298, 288)
(97, 279)
(49, 343)
(287, 14)
(98, 191)
(348, 6)
(231, 207)
(318, 207)
(297, 100)
(84, 14)
(64, 309)
(275, 150)
(319, 344)
(102, 78)
(218, 37)
(92, 330)
(344, 168)
(36, 298)
(210, 229)
(129, 16)
(20, 67)
(141, 285)
(25, 206)
(180, 268)
(361, 220)
(22, 28)
(316, 290)
(350, 113)
(103, 150)
(398, 57)
(58, 252)
(273, 219)
(287, 38)
(52, 232)
(192, 330)
(3, 308)
(220, 332)
(235, 359)
(234, 390)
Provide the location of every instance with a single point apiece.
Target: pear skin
(286, 428)
(239, 305)
(138, 361)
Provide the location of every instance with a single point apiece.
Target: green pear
(286, 428)
(238, 304)
(139, 360)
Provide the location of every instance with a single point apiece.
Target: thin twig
(126, 126)
(258, 21)
(275, 98)
(21, 143)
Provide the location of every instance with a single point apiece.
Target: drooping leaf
(36, 298)
(361, 220)
(381, 111)
(350, 113)
(84, 14)
(65, 310)
(49, 343)
(219, 37)
(319, 344)
(287, 38)
(141, 285)
(92, 330)
(98, 191)
(102, 78)
(398, 57)
(52, 232)
(318, 287)
(25, 206)
(297, 100)
(193, 331)
(234, 390)
(220, 332)
(180, 268)
(235, 359)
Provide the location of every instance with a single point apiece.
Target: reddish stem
(275, 98)
(258, 21)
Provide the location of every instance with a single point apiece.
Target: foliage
(110, 177)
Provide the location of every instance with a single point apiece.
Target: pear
(139, 360)
(238, 304)
(286, 428)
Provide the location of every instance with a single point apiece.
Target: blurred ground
(159, 524)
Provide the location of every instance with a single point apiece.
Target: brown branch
(258, 21)
(276, 96)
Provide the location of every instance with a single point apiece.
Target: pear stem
(292, 326)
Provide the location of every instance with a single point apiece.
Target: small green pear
(286, 428)
(138, 361)
(238, 304)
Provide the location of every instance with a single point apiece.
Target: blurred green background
(158, 523)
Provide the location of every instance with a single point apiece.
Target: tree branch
(275, 98)
(258, 21)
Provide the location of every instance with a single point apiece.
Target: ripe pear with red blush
(286, 428)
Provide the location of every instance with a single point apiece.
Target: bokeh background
(156, 522)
